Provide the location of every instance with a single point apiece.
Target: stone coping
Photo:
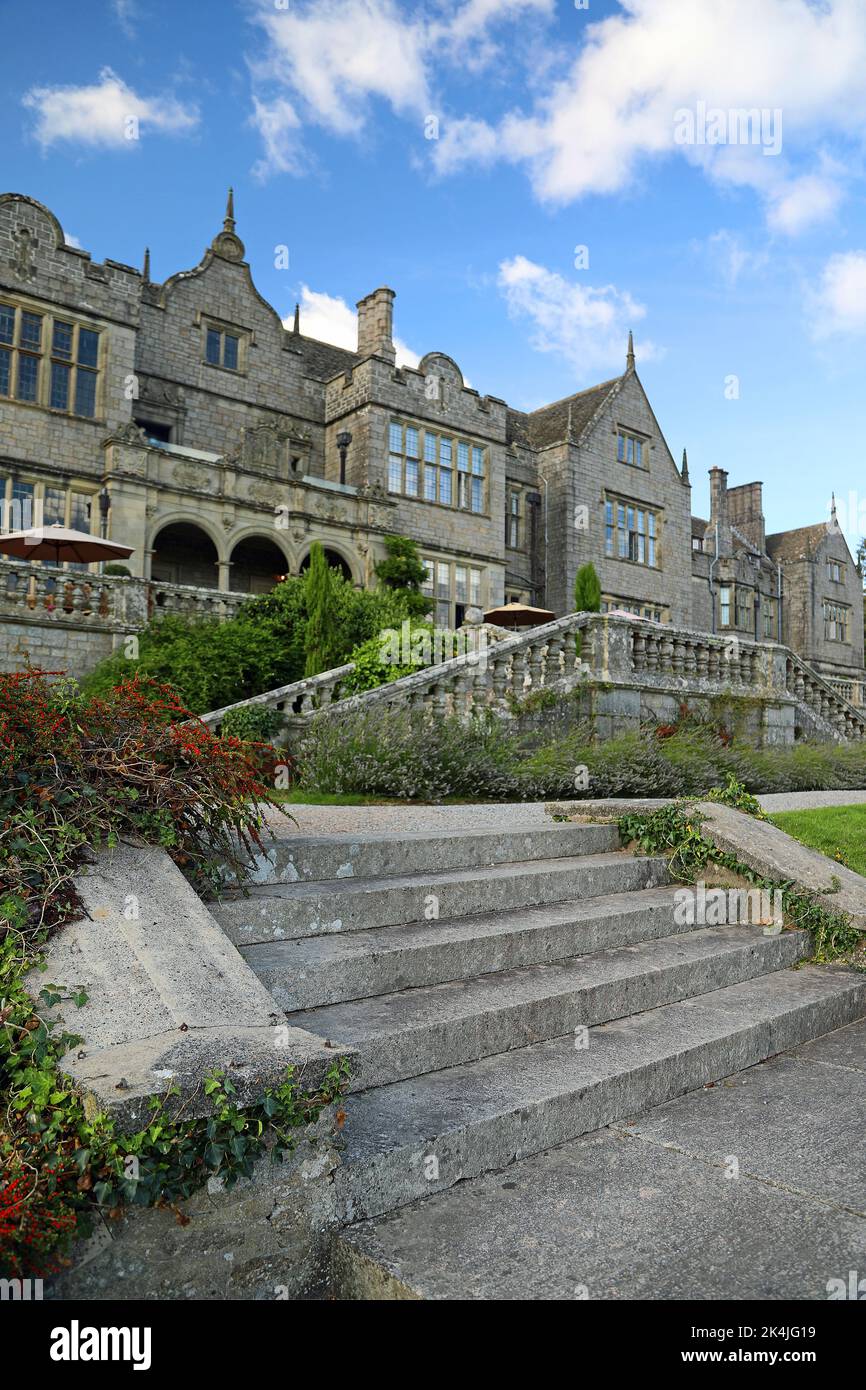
(758, 843)
(169, 998)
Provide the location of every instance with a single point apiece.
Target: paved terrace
(351, 820)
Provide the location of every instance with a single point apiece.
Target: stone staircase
(507, 992)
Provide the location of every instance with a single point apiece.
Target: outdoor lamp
(104, 509)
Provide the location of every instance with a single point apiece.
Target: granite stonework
(214, 426)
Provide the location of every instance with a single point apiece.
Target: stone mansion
(184, 419)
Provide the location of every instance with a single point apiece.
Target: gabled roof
(799, 544)
(699, 526)
(550, 424)
(323, 360)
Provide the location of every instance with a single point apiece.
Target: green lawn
(837, 831)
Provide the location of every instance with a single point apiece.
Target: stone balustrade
(32, 593)
(852, 690)
(296, 701)
(189, 601)
(630, 663)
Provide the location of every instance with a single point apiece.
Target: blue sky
(461, 151)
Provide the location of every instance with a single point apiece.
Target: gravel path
(350, 820)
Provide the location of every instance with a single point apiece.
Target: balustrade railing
(29, 592)
(581, 647)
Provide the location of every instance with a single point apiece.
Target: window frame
(47, 359)
(442, 456)
(443, 605)
(225, 330)
(634, 544)
(631, 441)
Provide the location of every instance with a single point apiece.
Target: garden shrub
(210, 664)
(252, 723)
(403, 754)
(76, 774)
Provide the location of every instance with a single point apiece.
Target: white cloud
(839, 304)
(105, 114)
(337, 58)
(72, 240)
(332, 320)
(730, 256)
(587, 327)
(126, 13)
(801, 203)
(278, 124)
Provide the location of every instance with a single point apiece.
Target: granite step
(415, 1137)
(305, 972)
(423, 1030)
(275, 911)
(308, 858)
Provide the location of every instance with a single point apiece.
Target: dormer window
(629, 449)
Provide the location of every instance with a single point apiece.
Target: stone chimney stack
(746, 512)
(719, 510)
(376, 325)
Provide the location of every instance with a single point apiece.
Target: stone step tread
(517, 869)
(305, 858)
(447, 1106)
(531, 830)
(388, 1015)
(311, 971)
(314, 952)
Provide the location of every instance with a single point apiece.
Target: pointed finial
(297, 324)
(629, 357)
(833, 505)
(229, 219)
(685, 472)
(145, 274)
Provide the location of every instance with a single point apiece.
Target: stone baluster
(499, 678)
(519, 662)
(553, 660)
(638, 650)
(677, 655)
(535, 665)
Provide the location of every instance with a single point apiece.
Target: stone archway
(257, 565)
(335, 560)
(183, 553)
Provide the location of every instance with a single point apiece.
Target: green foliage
(74, 775)
(734, 794)
(404, 571)
(676, 832)
(587, 590)
(252, 723)
(376, 752)
(374, 663)
(211, 664)
(320, 644)
(114, 568)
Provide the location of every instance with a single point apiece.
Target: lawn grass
(837, 831)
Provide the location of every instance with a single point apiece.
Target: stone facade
(223, 444)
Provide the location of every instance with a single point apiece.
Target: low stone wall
(268, 1237)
